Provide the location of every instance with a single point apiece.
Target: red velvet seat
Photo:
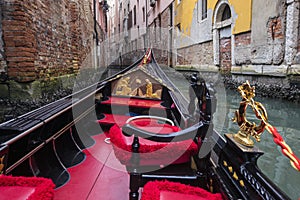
(152, 153)
(26, 188)
(165, 190)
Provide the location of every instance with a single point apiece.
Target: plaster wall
(194, 29)
(159, 7)
(266, 48)
(139, 28)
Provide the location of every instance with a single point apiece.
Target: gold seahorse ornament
(248, 128)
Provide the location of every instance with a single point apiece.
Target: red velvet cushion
(165, 190)
(152, 153)
(33, 188)
(167, 195)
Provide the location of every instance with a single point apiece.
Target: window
(143, 14)
(129, 20)
(226, 13)
(204, 9)
(134, 15)
(159, 25)
(178, 27)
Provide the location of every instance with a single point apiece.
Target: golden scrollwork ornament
(248, 128)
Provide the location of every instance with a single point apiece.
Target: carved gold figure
(149, 90)
(248, 128)
(123, 87)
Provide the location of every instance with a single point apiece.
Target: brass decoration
(211, 187)
(149, 90)
(2, 164)
(134, 86)
(242, 183)
(123, 86)
(235, 176)
(230, 169)
(248, 128)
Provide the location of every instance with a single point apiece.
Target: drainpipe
(95, 24)
(96, 36)
(146, 40)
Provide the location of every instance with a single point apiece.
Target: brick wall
(2, 58)
(275, 29)
(45, 39)
(196, 54)
(225, 54)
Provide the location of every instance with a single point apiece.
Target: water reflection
(285, 116)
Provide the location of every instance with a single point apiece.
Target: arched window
(226, 13)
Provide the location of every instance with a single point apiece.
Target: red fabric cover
(152, 153)
(134, 102)
(166, 195)
(155, 190)
(43, 187)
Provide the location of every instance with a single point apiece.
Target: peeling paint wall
(187, 14)
(242, 19)
(194, 29)
(267, 41)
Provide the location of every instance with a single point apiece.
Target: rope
(248, 93)
(286, 150)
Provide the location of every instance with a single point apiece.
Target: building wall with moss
(43, 39)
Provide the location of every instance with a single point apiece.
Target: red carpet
(26, 188)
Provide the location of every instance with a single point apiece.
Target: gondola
(134, 135)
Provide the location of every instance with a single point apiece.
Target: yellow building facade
(184, 13)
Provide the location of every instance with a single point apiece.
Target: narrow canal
(282, 114)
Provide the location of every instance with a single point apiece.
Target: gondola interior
(140, 138)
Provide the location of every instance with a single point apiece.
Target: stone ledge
(264, 70)
(294, 70)
(247, 70)
(280, 71)
(202, 68)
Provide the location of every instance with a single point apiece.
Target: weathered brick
(36, 36)
(20, 54)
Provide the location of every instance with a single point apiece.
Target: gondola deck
(99, 176)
